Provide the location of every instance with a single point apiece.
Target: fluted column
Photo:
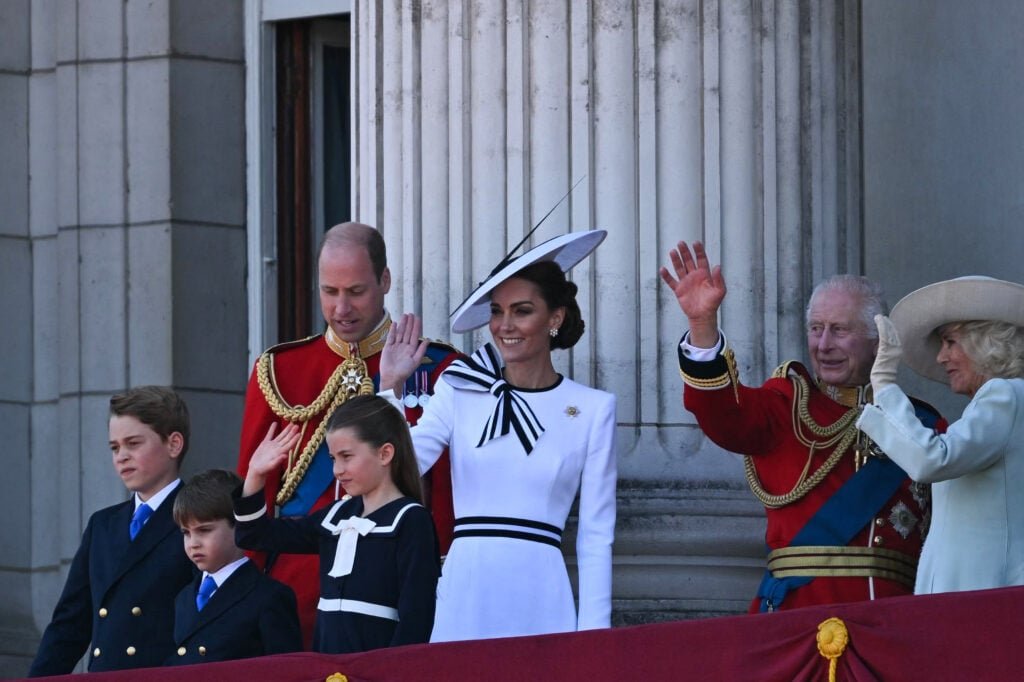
(719, 120)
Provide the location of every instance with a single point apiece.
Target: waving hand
(699, 289)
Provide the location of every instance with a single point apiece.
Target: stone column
(729, 121)
(122, 260)
(23, 241)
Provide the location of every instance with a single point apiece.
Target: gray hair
(870, 293)
(995, 348)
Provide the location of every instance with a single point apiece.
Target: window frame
(261, 155)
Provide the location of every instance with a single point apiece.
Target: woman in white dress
(524, 440)
(969, 333)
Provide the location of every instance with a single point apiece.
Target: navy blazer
(119, 594)
(249, 615)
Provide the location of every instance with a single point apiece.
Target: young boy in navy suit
(232, 610)
(120, 589)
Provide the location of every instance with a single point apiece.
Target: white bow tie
(348, 532)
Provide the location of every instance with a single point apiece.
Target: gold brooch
(572, 411)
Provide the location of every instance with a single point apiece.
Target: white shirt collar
(225, 572)
(155, 501)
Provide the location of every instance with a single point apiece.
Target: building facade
(168, 165)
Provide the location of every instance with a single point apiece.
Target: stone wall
(730, 122)
(122, 259)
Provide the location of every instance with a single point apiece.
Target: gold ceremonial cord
(841, 434)
(348, 379)
(299, 413)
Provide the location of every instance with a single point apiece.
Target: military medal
(411, 399)
(422, 387)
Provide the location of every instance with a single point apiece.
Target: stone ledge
(643, 611)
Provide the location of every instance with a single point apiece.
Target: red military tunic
(768, 425)
(296, 375)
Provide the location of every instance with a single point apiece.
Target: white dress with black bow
(505, 574)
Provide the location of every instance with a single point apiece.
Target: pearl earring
(553, 332)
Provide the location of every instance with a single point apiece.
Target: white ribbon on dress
(348, 531)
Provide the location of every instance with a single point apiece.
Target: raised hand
(699, 289)
(402, 352)
(887, 359)
(270, 454)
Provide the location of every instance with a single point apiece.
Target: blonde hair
(995, 348)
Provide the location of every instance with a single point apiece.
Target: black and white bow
(482, 372)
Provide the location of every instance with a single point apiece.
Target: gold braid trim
(277, 403)
(731, 376)
(349, 378)
(705, 384)
(734, 374)
(833, 561)
(841, 434)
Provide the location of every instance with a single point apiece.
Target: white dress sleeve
(433, 432)
(976, 441)
(597, 521)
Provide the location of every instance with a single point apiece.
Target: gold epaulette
(445, 345)
(285, 345)
(782, 371)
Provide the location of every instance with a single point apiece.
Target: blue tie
(142, 515)
(206, 590)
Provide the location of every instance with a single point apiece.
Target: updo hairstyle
(557, 292)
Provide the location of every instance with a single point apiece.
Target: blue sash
(847, 511)
(837, 521)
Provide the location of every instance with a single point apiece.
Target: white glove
(887, 360)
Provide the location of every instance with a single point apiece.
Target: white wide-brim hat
(566, 250)
(920, 313)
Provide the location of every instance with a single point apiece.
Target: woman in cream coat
(969, 333)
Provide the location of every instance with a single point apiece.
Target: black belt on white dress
(507, 527)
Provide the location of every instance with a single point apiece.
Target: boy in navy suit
(120, 589)
(232, 610)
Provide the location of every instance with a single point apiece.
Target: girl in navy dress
(378, 552)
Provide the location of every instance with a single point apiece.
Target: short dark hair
(358, 234)
(207, 497)
(376, 422)
(159, 408)
(557, 292)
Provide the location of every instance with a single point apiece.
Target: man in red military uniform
(303, 381)
(844, 522)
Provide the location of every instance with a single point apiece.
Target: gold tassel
(832, 640)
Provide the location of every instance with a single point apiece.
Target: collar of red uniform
(371, 345)
(850, 396)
